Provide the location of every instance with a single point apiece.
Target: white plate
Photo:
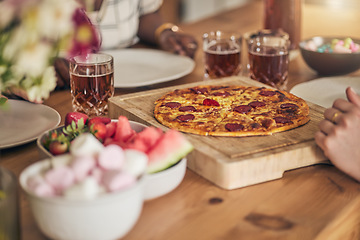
(141, 67)
(24, 121)
(324, 91)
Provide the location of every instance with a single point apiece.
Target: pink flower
(86, 38)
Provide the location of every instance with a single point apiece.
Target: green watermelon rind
(174, 158)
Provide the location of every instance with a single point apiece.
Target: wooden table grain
(316, 202)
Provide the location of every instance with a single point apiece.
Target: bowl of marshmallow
(94, 192)
(95, 186)
(331, 55)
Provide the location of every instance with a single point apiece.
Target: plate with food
(23, 122)
(142, 67)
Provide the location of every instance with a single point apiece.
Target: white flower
(34, 59)
(32, 32)
(55, 18)
(36, 93)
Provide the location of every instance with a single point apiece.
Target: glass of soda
(222, 54)
(269, 60)
(92, 83)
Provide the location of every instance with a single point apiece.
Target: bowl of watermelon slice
(166, 151)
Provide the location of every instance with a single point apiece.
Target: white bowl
(44, 153)
(106, 217)
(161, 183)
(156, 184)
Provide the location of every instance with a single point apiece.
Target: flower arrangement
(32, 34)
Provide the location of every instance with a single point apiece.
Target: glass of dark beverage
(9, 206)
(92, 83)
(269, 60)
(248, 36)
(222, 54)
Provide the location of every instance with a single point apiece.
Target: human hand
(178, 42)
(339, 135)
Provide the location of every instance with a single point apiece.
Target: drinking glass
(9, 206)
(222, 54)
(269, 60)
(248, 36)
(92, 83)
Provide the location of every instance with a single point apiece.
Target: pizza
(231, 110)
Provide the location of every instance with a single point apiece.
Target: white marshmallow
(135, 162)
(84, 190)
(61, 160)
(85, 145)
(111, 158)
(39, 187)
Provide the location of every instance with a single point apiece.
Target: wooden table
(317, 202)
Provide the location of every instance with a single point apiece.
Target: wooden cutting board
(233, 162)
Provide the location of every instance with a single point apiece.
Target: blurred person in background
(339, 134)
(123, 23)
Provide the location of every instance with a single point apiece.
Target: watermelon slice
(169, 149)
(123, 130)
(145, 140)
(111, 129)
(137, 144)
(150, 136)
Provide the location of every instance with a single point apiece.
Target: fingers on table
(332, 115)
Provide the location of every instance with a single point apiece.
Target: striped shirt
(118, 21)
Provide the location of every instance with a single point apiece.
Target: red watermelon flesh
(169, 149)
(123, 130)
(150, 136)
(137, 144)
(145, 140)
(110, 129)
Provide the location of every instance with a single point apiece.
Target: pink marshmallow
(354, 47)
(39, 187)
(341, 49)
(116, 180)
(82, 166)
(311, 46)
(60, 178)
(97, 173)
(111, 158)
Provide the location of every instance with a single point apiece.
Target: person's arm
(147, 26)
(153, 30)
(339, 135)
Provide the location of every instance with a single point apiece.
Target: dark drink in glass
(269, 61)
(90, 94)
(222, 54)
(92, 83)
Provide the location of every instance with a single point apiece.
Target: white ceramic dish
(44, 153)
(161, 183)
(324, 91)
(107, 217)
(156, 184)
(141, 67)
(23, 122)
